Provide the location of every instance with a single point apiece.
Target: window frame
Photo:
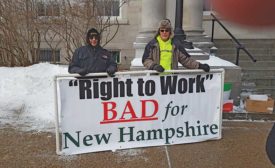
(117, 59)
(48, 53)
(48, 7)
(121, 18)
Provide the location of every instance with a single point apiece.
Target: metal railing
(239, 45)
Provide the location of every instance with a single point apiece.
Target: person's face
(165, 34)
(93, 40)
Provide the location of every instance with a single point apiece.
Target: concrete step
(260, 81)
(252, 51)
(245, 63)
(270, 91)
(244, 57)
(251, 72)
(226, 43)
(257, 77)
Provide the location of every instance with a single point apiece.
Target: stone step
(270, 91)
(261, 78)
(257, 77)
(252, 51)
(255, 72)
(220, 43)
(262, 83)
(245, 63)
(259, 85)
(258, 57)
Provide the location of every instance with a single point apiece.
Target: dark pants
(270, 145)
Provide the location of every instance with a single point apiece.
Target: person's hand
(111, 71)
(204, 67)
(158, 68)
(82, 72)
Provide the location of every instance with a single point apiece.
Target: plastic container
(227, 91)
(258, 97)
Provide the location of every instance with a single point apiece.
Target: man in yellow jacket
(161, 53)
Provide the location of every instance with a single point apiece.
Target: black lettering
(106, 90)
(150, 88)
(129, 87)
(168, 85)
(182, 86)
(191, 83)
(200, 84)
(119, 86)
(85, 89)
(140, 87)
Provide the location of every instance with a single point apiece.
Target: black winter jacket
(91, 60)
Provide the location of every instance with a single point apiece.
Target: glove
(158, 68)
(82, 72)
(111, 71)
(204, 67)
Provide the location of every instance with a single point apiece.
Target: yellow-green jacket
(151, 56)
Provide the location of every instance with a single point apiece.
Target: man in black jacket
(92, 58)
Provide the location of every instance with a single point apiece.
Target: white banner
(97, 114)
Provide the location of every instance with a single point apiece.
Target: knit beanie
(92, 32)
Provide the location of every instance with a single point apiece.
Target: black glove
(111, 71)
(158, 68)
(82, 72)
(204, 67)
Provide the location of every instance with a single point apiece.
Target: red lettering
(143, 108)
(107, 111)
(149, 109)
(131, 111)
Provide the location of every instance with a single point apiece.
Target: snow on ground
(27, 96)
(27, 100)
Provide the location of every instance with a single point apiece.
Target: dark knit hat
(92, 32)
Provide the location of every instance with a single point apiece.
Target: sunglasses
(93, 36)
(164, 30)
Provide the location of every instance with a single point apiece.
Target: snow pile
(27, 96)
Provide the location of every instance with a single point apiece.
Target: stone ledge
(249, 116)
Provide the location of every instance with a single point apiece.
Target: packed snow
(27, 96)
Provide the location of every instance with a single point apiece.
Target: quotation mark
(73, 83)
(209, 76)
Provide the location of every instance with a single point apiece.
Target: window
(108, 7)
(48, 8)
(48, 55)
(116, 56)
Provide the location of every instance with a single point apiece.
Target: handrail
(239, 45)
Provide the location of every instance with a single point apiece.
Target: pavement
(242, 146)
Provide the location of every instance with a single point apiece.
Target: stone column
(192, 24)
(192, 16)
(152, 12)
(170, 11)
